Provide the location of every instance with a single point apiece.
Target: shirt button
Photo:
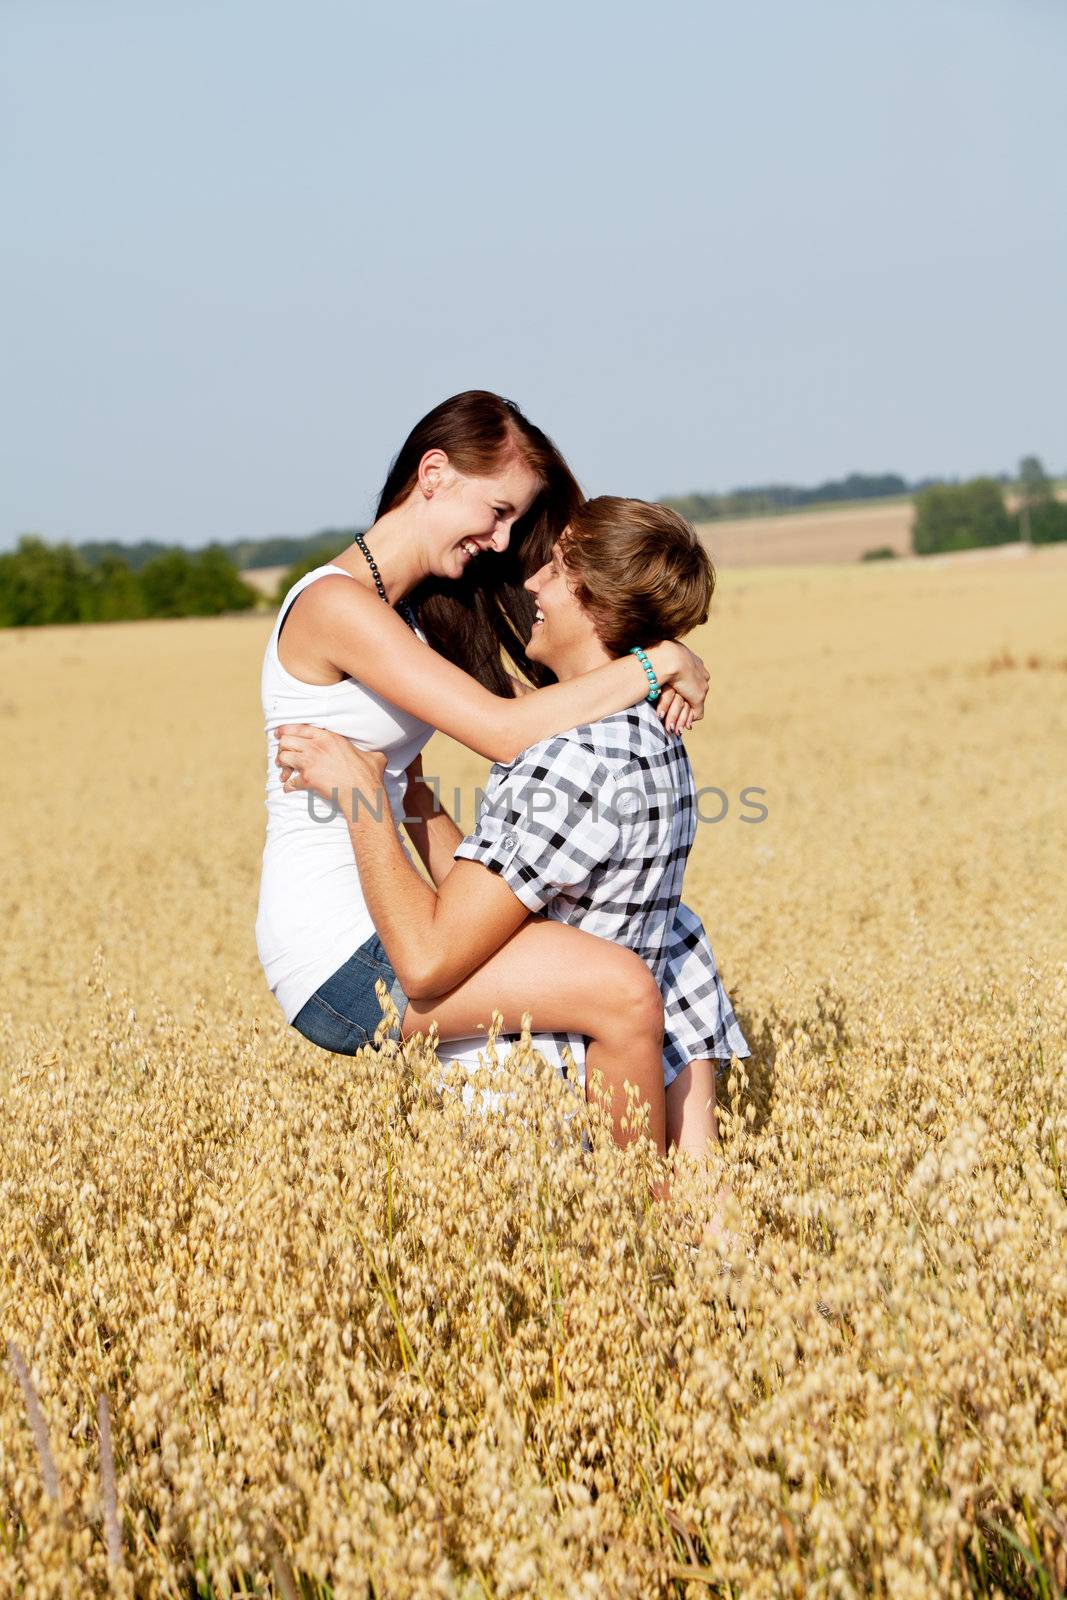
(509, 840)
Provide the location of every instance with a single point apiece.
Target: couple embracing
(565, 900)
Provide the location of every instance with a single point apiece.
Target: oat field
(279, 1322)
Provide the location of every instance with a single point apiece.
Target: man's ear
(435, 469)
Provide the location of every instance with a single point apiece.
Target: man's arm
(429, 826)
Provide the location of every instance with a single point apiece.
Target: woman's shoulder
(327, 582)
(329, 594)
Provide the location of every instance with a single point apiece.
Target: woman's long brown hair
(472, 618)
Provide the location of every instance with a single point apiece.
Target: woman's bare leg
(692, 1125)
(569, 981)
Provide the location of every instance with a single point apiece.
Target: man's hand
(329, 765)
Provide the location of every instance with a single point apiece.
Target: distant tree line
(280, 551)
(42, 583)
(286, 551)
(767, 499)
(105, 581)
(967, 516)
(317, 556)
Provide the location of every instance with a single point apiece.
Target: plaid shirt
(593, 827)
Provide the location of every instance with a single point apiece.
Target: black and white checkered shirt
(593, 827)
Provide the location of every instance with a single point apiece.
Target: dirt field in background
(264, 579)
(807, 537)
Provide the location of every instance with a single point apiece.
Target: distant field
(805, 537)
(264, 579)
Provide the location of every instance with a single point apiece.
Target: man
(590, 827)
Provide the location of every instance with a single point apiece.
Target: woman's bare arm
(429, 826)
(368, 641)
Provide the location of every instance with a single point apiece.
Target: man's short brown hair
(639, 571)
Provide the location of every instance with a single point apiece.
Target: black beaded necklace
(404, 609)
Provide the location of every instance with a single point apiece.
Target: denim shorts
(343, 1013)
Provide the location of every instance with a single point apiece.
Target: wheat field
(279, 1322)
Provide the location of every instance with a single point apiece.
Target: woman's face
(469, 516)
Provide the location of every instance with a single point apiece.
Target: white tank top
(312, 913)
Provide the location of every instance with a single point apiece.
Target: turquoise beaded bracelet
(650, 672)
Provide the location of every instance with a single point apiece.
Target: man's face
(562, 629)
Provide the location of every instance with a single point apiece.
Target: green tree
(961, 516)
(163, 584)
(1035, 492)
(1048, 521)
(134, 555)
(41, 583)
(1035, 485)
(112, 592)
(215, 585)
(204, 583)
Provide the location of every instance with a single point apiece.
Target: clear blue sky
(703, 244)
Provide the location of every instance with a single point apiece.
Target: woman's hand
(675, 712)
(684, 686)
(329, 765)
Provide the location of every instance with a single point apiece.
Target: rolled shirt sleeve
(548, 821)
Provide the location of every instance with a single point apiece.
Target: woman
(471, 474)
